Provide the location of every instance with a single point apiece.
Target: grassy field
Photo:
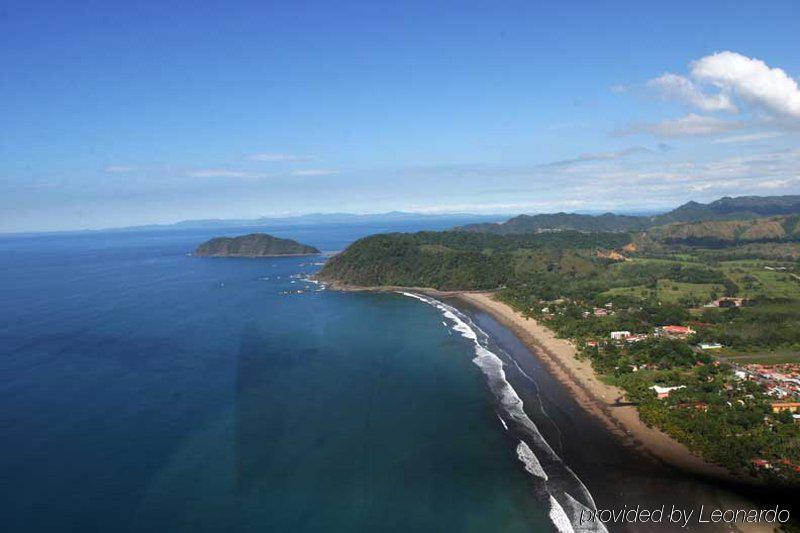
(754, 280)
(763, 357)
(672, 291)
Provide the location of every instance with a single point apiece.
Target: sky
(125, 113)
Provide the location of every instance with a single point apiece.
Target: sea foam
(561, 475)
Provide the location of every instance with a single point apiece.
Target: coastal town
(726, 384)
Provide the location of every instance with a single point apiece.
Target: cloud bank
(724, 82)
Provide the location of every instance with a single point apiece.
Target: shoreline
(603, 401)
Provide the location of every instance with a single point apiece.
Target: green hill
(463, 260)
(768, 229)
(560, 222)
(740, 208)
(253, 245)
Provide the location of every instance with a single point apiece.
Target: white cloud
(598, 156)
(499, 207)
(224, 173)
(685, 90)
(748, 137)
(775, 184)
(273, 157)
(244, 174)
(752, 80)
(690, 125)
(117, 169)
(314, 172)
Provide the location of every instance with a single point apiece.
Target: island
(253, 245)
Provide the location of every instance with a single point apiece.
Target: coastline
(605, 402)
(602, 400)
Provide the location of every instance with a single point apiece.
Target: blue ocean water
(144, 389)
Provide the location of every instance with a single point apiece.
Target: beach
(624, 462)
(604, 401)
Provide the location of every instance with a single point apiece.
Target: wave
(559, 517)
(534, 452)
(528, 458)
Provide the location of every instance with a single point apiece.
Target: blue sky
(127, 113)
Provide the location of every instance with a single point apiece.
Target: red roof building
(677, 330)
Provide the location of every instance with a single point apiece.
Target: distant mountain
(314, 219)
(562, 222)
(739, 208)
(712, 232)
(253, 245)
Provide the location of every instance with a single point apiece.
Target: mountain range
(738, 208)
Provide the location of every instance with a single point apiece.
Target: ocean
(145, 389)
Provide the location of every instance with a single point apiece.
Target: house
(792, 407)
(778, 392)
(740, 374)
(619, 335)
(710, 346)
(677, 331)
(762, 463)
(663, 392)
(636, 338)
(600, 312)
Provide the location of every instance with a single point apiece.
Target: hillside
(739, 208)
(561, 221)
(641, 306)
(462, 260)
(711, 233)
(253, 245)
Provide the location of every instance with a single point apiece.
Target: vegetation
(461, 260)
(253, 245)
(715, 233)
(741, 208)
(562, 221)
(743, 295)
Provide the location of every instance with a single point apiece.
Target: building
(792, 407)
(619, 335)
(663, 392)
(762, 463)
(677, 331)
(710, 346)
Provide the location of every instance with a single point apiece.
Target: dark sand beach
(623, 462)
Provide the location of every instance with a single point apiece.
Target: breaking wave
(539, 459)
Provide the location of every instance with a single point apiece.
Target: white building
(663, 392)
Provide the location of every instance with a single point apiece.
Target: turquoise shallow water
(148, 390)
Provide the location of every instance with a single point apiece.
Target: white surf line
(505, 426)
(559, 517)
(539, 400)
(578, 510)
(492, 367)
(528, 458)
